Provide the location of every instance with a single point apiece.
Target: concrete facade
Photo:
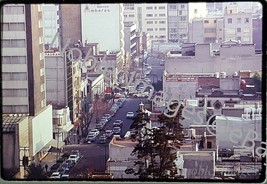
(257, 32)
(23, 79)
(130, 40)
(178, 19)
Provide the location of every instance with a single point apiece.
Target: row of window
(155, 15)
(233, 31)
(175, 7)
(13, 26)
(162, 36)
(156, 29)
(151, 7)
(13, 10)
(238, 20)
(15, 108)
(160, 22)
(13, 43)
(19, 76)
(131, 15)
(13, 59)
(14, 92)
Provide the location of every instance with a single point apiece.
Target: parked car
(99, 126)
(61, 170)
(55, 167)
(117, 123)
(95, 131)
(107, 116)
(109, 133)
(55, 175)
(75, 152)
(65, 166)
(65, 176)
(70, 163)
(75, 158)
(116, 130)
(119, 104)
(122, 99)
(130, 115)
(91, 138)
(102, 139)
(104, 119)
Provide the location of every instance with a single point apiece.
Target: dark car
(102, 139)
(109, 133)
(117, 130)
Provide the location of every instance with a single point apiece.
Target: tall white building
(51, 24)
(103, 24)
(178, 19)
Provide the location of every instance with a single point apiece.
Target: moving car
(117, 130)
(130, 115)
(91, 138)
(118, 123)
(102, 139)
(75, 158)
(109, 133)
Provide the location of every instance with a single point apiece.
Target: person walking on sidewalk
(46, 167)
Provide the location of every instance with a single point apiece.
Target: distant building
(257, 32)
(130, 40)
(178, 19)
(109, 32)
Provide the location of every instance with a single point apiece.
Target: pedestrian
(46, 167)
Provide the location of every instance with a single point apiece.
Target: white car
(75, 158)
(95, 131)
(55, 175)
(130, 115)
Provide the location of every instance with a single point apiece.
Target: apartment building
(178, 19)
(130, 40)
(237, 25)
(23, 85)
(51, 24)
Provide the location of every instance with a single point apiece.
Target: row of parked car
(64, 165)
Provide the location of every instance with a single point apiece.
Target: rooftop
(9, 121)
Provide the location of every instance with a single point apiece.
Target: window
(155, 7)
(132, 15)
(162, 29)
(156, 22)
(230, 31)
(14, 59)
(149, 29)
(182, 6)
(149, 7)
(7, 76)
(206, 21)
(210, 30)
(246, 20)
(238, 30)
(214, 21)
(246, 39)
(238, 38)
(209, 145)
(231, 11)
(156, 29)
(180, 12)
(173, 7)
(162, 22)
(17, 26)
(246, 30)
(209, 39)
(162, 15)
(125, 16)
(183, 18)
(162, 36)
(149, 15)
(6, 43)
(239, 20)
(151, 37)
(13, 10)
(229, 20)
(14, 92)
(155, 15)
(18, 43)
(149, 22)
(173, 30)
(162, 7)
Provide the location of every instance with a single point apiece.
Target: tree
(35, 172)
(257, 79)
(156, 148)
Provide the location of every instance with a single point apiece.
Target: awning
(53, 143)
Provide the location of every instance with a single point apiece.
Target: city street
(94, 155)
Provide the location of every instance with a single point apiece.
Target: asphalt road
(94, 155)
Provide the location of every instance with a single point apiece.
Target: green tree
(156, 148)
(257, 79)
(35, 172)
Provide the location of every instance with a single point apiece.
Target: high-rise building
(26, 117)
(109, 32)
(23, 71)
(51, 24)
(178, 19)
